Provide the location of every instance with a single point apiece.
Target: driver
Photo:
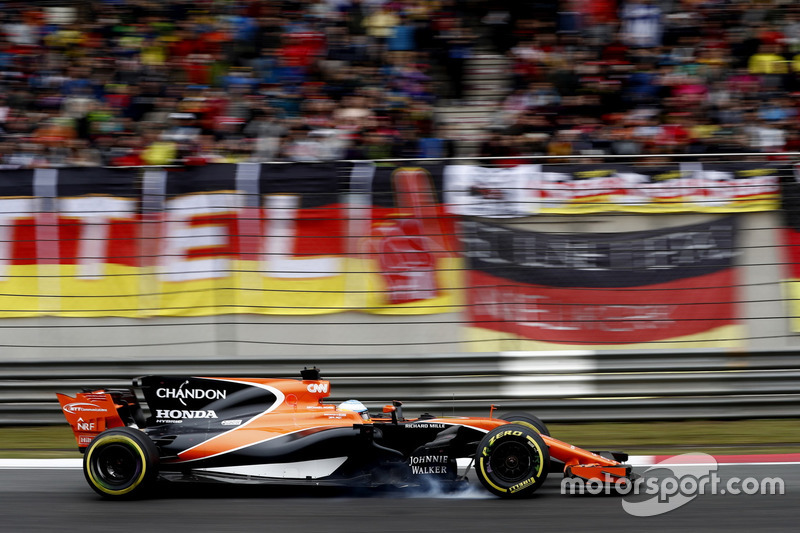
(354, 406)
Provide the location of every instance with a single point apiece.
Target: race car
(267, 431)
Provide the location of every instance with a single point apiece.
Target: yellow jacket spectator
(160, 153)
(381, 23)
(768, 61)
(153, 52)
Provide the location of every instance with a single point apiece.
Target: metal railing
(557, 386)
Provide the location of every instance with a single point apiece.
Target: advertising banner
(597, 188)
(406, 248)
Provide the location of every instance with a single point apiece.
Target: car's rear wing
(91, 412)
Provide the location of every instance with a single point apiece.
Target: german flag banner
(662, 288)
(87, 237)
(19, 269)
(68, 242)
(245, 238)
(602, 187)
(249, 238)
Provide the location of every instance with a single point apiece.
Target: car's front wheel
(512, 461)
(121, 463)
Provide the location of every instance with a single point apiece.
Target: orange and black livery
(282, 431)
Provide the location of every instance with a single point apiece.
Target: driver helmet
(354, 406)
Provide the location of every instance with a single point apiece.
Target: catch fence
(580, 289)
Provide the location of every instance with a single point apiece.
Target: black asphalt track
(60, 500)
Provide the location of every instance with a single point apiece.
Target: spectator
(769, 64)
(764, 136)
(642, 23)
(127, 152)
(29, 155)
(457, 40)
(265, 131)
(82, 154)
(380, 25)
(157, 151)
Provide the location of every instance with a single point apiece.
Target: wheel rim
(117, 465)
(511, 462)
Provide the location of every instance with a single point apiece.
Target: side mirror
(393, 410)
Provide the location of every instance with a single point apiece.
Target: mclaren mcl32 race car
(243, 430)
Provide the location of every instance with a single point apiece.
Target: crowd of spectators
(654, 77)
(133, 82)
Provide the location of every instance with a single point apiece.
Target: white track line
(44, 464)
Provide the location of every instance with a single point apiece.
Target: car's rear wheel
(121, 463)
(512, 461)
(527, 419)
